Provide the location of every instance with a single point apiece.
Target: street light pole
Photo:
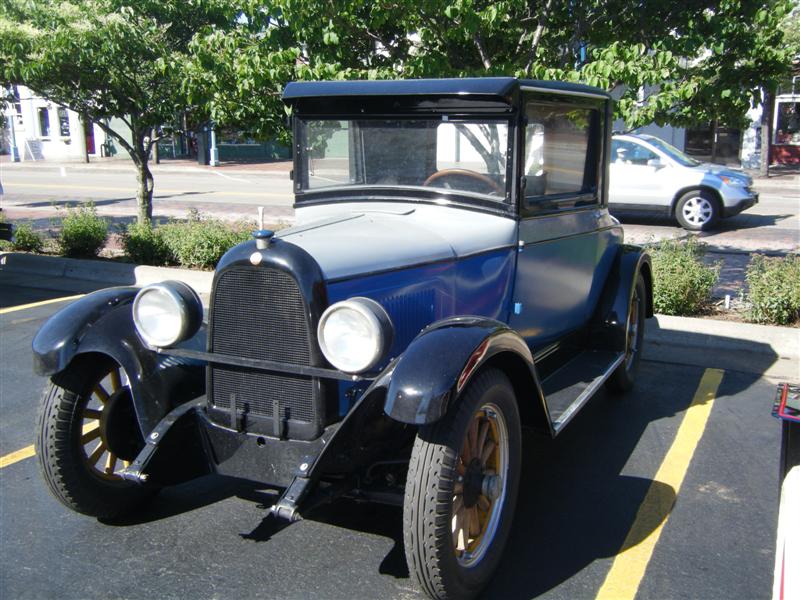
(213, 152)
(14, 149)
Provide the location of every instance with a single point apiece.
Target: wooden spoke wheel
(461, 489)
(87, 434)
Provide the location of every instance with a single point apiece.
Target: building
(38, 129)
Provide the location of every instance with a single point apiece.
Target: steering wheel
(478, 177)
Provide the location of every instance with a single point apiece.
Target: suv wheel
(461, 490)
(697, 210)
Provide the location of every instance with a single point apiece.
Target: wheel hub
(118, 427)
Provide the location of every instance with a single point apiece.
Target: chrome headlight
(167, 313)
(355, 335)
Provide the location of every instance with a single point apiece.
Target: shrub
(83, 233)
(774, 289)
(201, 242)
(5, 246)
(26, 239)
(145, 245)
(682, 283)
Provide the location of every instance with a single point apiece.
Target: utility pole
(14, 148)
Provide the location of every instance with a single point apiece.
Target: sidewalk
(768, 351)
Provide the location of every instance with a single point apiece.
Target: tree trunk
(766, 132)
(144, 192)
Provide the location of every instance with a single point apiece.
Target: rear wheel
(625, 374)
(88, 433)
(461, 490)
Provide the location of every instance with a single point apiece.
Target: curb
(767, 350)
(100, 271)
(125, 167)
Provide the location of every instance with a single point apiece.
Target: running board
(571, 386)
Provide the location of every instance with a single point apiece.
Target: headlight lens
(355, 335)
(166, 313)
(734, 181)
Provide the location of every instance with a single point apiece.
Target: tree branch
(487, 63)
(537, 35)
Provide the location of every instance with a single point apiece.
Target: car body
(453, 274)
(647, 174)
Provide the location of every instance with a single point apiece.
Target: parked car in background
(649, 175)
(453, 275)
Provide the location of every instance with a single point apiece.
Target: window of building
(44, 122)
(787, 123)
(63, 122)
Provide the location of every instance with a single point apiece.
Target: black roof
(502, 87)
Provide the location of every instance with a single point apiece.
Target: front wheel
(697, 210)
(87, 433)
(461, 490)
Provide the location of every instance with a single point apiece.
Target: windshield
(672, 152)
(464, 156)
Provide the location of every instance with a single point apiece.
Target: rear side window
(562, 149)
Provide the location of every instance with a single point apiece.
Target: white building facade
(38, 129)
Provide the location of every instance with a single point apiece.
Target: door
(635, 171)
(567, 238)
(88, 132)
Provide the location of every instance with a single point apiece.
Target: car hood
(360, 238)
(722, 171)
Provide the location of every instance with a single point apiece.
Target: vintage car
(453, 275)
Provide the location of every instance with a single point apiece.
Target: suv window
(630, 153)
(559, 157)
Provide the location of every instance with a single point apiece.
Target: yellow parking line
(622, 581)
(11, 309)
(15, 457)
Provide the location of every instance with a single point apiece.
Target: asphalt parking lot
(668, 492)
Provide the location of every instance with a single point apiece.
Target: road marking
(132, 193)
(15, 457)
(230, 177)
(627, 571)
(11, 309)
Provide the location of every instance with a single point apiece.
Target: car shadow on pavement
(575, 505)
(742, 221)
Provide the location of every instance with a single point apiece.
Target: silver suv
(648, 174)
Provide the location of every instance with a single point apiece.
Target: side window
(561, 151)
(630, 153)
(44, 122)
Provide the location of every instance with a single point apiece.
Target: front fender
(102, 323)
(611, 317)
(441, 360)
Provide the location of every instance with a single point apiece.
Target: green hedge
(83, 234)
(197, 243)
(774, 289)
(682, 283)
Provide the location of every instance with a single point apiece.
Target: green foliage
(682, 283)
(678, 63)
(200, 242)
(26, 239)
(144, 244)
(774, 289)
(6, 246)
(83, 233)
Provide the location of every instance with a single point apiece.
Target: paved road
(626, 489)
(30, 191)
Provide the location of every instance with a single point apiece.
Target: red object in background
(785, 154)
(88, 132)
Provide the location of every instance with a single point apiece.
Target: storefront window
(44, 122)
(63, 122)
(787, 123)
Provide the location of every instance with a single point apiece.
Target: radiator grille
(259, 313)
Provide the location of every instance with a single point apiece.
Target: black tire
(69, 446)
(624, 376)
(697, 210)
(486, 411)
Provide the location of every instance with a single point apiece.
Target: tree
(109, 58)
(680, 63)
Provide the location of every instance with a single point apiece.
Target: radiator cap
(263, 238)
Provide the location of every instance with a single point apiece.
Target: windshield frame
(406, 193)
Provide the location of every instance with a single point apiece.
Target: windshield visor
(461, 156)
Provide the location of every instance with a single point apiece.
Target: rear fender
(609, 325)
(102, 323)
